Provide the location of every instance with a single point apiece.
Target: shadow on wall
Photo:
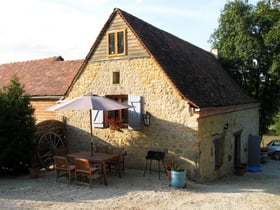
(175, 139)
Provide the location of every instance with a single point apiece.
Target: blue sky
(34, 29)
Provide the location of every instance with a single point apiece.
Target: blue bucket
(178, 178)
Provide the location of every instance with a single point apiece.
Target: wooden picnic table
(98, 158)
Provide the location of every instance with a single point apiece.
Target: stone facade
(170, 114)
(240, 125)
(175, 127)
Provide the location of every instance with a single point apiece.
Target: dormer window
(116, 43)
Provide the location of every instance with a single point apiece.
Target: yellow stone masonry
(174, 126)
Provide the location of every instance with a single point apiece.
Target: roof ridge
(54, 58)
(124, 14)
(82, 59)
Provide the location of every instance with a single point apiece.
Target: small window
(116, 44)
(116, 77)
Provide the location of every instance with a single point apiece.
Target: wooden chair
(117, 165)
(62, 165)
(83, 171)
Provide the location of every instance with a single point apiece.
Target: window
(111, 44)
(116, 77)
(121, 114)
(130, 118)
(116, 43)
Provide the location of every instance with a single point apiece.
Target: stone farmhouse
(198, 114)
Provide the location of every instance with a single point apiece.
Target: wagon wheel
(47, 146)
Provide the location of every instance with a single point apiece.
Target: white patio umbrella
(89, 102)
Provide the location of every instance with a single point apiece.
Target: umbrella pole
(91, 140)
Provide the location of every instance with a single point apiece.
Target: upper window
(116, 43)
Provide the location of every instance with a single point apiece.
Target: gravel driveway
(134, 191)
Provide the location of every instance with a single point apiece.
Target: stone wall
(244, 122)
(173, 128)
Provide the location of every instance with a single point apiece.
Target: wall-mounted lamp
(225, 126)
(146, 118)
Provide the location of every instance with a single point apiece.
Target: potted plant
(113, 122)
(178, 175)
(168, 166)
(241, 169)
(34, 169)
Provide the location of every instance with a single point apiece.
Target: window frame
(130, 118)
(119, 112)
(116, 77)
(116, 43)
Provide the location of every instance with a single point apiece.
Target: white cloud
(92, 2)
(32, 29)
(41, 29)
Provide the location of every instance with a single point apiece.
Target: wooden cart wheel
(47, 146)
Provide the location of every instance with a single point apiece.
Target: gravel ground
(134, 191)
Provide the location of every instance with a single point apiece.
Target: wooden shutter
(134, 113)
(97, 118)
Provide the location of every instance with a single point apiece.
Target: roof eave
(210, 111)
(53, 97)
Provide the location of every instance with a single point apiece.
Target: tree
(248, 40)
(17, 126)
(276, 126)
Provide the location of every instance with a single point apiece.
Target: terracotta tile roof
(44, 77)
(196, 74)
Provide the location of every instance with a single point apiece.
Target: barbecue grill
(155, 155)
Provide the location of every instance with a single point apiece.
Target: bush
(17, 127)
